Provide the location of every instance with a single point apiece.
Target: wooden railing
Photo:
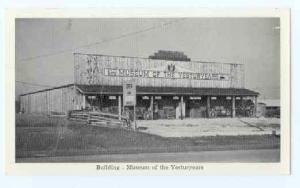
(101, 119)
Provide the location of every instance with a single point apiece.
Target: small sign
(129, 94)
(112, 97)
(157, 97)
(91, 97)
(175, 98)
(195, 98)
(145, 98)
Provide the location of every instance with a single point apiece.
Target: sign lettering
(164, 74)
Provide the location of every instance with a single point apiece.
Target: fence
(96, 118)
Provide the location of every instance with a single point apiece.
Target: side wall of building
(58, 100)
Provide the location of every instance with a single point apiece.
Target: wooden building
(165, 88)
(57, 100)
(268, 108)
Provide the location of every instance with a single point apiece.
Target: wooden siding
(59, 100)
(89, 70)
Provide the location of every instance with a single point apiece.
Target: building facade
(165, 89)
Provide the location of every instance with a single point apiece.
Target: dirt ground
(211, 127)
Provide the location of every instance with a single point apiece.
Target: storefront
(165, 89)
(156, 103)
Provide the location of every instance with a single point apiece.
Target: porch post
(208, 106)
(119, 106)
(233, 106)
(83, 101)
(151, 107)
(242, 103)
(255, 105)
(181, 107)
(100, 102)
(123, 106)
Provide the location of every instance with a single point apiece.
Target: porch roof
(117, 90)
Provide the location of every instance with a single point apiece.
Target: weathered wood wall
(89, 69)
(59, 100)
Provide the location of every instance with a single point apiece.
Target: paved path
(262, 155)
(210, 127)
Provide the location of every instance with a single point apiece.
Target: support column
(119, 106)
(255, 106)
(83, 101)
(243, 106)
(181, 107)
(134, 117)
(208, 106)
(123, 106)
(151, 107)
(100, 103)
(233, 106)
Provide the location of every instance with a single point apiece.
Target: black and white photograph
(148, 90)
(150, 93)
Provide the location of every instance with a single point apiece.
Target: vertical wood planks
(59, 100)
(234, 71)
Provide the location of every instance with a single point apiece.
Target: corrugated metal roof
(97, 89)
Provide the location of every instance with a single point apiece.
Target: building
(268, 108)
(166, 89)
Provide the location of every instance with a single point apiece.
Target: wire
(103, 41)
(32, 84)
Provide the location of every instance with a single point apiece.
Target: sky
(45, 47)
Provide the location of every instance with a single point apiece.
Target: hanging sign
(129, 93)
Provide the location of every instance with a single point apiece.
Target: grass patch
(78, 139)
(38, 135)
(39, 120)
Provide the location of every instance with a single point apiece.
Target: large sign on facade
(112, 70)
(163, 74)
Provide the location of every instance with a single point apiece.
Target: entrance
(143, 109)
(220, 106)
(164, 107)
(196, 107)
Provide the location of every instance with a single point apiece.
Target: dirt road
(261, 155)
